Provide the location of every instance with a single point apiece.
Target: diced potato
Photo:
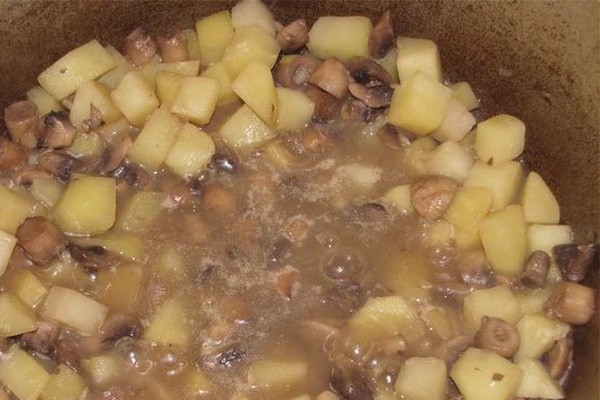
(422, 378)
(340, 37)
(359, 177)
(86, 146)
(149, 71)
(255, 86)
(537, 382)
(88, 205)
(78, 66)
(195, 383)
(191, 152)
(154, 142)
(500, 139)
(531, 301)
(504, 238)
(214, 34)
(169, 325)
(141, 211)
(169, 264)
(450, 159)
(464, 239)
(44, 102)
(479, 375)
(94, 94)
(28, 288)
(135, 98)
(457, 122)
(303, 397)
(408, 274)
(14, 208)
(537, 335)
(469, 206)
(185, 68)
(389, 63)
(399, 196)
(420, 104)
(65, 384)
(418, 55)
(503, 180)
(443, 321)
(462, 92)
(277, 154)
(295, 109)
(196, 108)
(65, 273)
(104, 370)
(121, 287)
(128, 245)
(386, 317)
(252, 12)
(269, 373)
(538, 202)
(248, 45)
(497, 302)
(244, 130)
(167, 86)
(219, 73)
(15, 317)
(75, 309)
(191, 40)
(417, 154)
(7, 245)
(23, 375)
(112, 78)
(439, 233)
(545, 237)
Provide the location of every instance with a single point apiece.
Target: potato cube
(248, 45)
(418, 55)
(503, 180)
(244, 130)
(479, 375)
(252, 12)
(214, 34)
(197, 99)
(154, 142)
(94, 94)
(191, 40)
(169, 325)
(65, 384)
(121, 287)
(135, 98)
(462, 92)
(75, 309)
(255, 86)
(191, 152)
(545, 237)
(219, 73)
(497, 302)
(444, 322)
(128, 245)
(531, 301)
(85, 146)
(15, 317)
(389, 63)
(78, 66)
(185, 68)
(469, 206)
(88, 205)
(407, 274)
(167, 87)
(43, 101)
(271, 373)
(141, 211)
(195, 383)
(278, 155)
(538, 202)
(169, 264)
(464, 239)
(22, 374)
(399, 196)
(7, 245)
(104, 370)
(340, 37)
(47, 191)
(500, 139)
(450, 159)
(456, 124)
(30, 290)
(537, 335)
(14, 208)
(537, 382)
(295, 109)
(149, 71)
(420, 104)
(504, 238)
(112, 78)
(422, 378)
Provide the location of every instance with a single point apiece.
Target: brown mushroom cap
(293, 36)
(58, 131)
(574, 260)
(383, 36)
(431, 196)
(571, 303)
(367, 72)
(58, 164)
(497, 336)
(559, 358)
(139, 47)
(172, 47)
(332, 77)
(41, 239)
(12, 154)
(43, 339)
(21, 119)
(295, 74)
(327, 107)
(536, 268)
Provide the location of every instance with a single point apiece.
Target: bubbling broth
(253, 211)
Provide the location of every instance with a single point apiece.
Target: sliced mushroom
(382, 36)
(356, 111)
(12, 154)
(451, 289)
(571, 303)
(292, 36)
(497, 336)
(139, 47)
(474, 268)
(172, 47)
(431, 196)
(67, 349)
(58, 164)
(295, 74)
(114, 328)
(451, 349)
(224, 161)
(373, 96)
(93, 256)
(43, 339)
(536, 269)
(332, 77)
(349, 380)
(115, 156)
(21, 119)
(395, 136)
(94, 121)
(134, 176)
(27, 175)
(367, 72)
(41, 239)
(58, 131)
(326, 106)
(559, 358)
(574, 260)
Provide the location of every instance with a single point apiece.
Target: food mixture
(259, 209)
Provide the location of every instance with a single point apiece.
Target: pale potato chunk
(271, 373)
(538, 202)
(104, 370)
(219, 73)
(479, 375)
(420, 104)
(128, 245)
(340, 37)
(88, 205)
(214, 34)
(22, 374)
(122, 287)
(537, 335)
(141, 211)
(252, 12)
(154, 142)
(167, 87)
(245, 131)
(94, 94)
(169, 325)
(74, 309)
(462, 92)
(399, 196)
(14, 208)
(407, 274)
(191, 152)
(469, 206)
(15, 317)
(497, 302)
(531, 301)
(135, 98)
(255, 86)
(456, 124)
(191, 41)
(503, 180)
(450, 159)
(295, 109)
(112, 78)
(248, 45)
(500, 139)
(30, 290)
(545, 237)
(418, 55)
(7, 245)
(44, 102)
(65, 384)
(78, 66)
(47, 191)
(422, 378)
(197, 99)
(537, 382)
(503, 235)
(464, 239)
(185, 68)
